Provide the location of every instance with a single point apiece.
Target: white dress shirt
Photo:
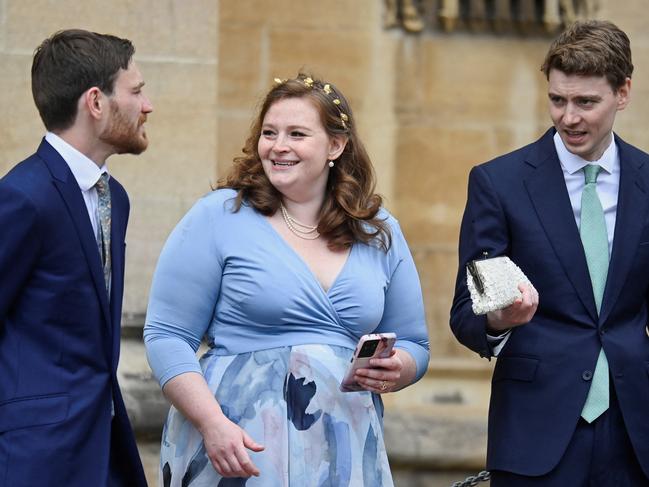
(84, 170)
(608, 181)
(608, 186)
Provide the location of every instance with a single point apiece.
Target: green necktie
(595, 241)
(104, 212)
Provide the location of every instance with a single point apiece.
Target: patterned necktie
(595, 241)
(103, 239)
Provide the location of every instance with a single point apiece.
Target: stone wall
(176, 50)
(338, 40)
(429, 106)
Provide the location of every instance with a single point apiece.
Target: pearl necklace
(306, 232)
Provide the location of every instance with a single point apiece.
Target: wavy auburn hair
(350, 207)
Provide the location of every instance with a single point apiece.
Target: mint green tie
(595, 241)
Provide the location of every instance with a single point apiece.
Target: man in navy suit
(62, 417)
(570, 389)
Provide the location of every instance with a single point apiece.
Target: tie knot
(102, 183)
(592, 171)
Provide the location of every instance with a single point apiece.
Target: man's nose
(571, 115)
(147, 106)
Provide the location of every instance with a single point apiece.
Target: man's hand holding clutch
(518, 313)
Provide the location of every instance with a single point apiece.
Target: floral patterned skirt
(288, 400)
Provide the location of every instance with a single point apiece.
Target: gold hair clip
(327, 89)
(343, 116)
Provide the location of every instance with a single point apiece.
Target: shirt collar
(84, 170)
(573, 163)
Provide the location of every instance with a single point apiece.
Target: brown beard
(124, 135)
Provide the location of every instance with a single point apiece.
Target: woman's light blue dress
(279, 345)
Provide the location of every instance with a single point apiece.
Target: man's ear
(623, 94)
(94, 102)
(336, 146)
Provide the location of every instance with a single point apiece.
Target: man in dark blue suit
(63, 224)
(570, 389)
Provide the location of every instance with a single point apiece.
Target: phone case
(374, 345)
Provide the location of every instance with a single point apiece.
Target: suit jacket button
(586, 375)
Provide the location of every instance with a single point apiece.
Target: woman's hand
(388, 374)
(226, 445)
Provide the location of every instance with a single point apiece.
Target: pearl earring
(331, 163)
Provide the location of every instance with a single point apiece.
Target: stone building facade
(435, 92)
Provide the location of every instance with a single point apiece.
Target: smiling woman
(283, 269)
(294, 150)
(347, 208)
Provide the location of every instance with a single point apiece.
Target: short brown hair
(70, 62)
(591, 48)
(350, 208)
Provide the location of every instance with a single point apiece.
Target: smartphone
(375, 345)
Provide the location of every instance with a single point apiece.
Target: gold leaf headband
(326, 88)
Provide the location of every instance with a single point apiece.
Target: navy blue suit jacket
(59, 333)
(518, 205)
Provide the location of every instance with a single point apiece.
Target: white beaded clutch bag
(493, 283)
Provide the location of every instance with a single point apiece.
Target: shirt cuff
(498, 342)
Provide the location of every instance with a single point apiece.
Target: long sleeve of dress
(183, 294)
(404, 306)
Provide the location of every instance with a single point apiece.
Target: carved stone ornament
(536, 17)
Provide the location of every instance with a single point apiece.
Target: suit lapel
(546, 187)
(632, 205)
(119, 211)
(71, 194)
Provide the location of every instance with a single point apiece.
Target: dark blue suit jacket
(59, 333)
(518, 205)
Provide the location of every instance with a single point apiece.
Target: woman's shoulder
(385, 216)
(390, 229)
(220, 201)
(214, 205)
(218, 197)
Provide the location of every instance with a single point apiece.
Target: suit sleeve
(484, 229)
(19, 244)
